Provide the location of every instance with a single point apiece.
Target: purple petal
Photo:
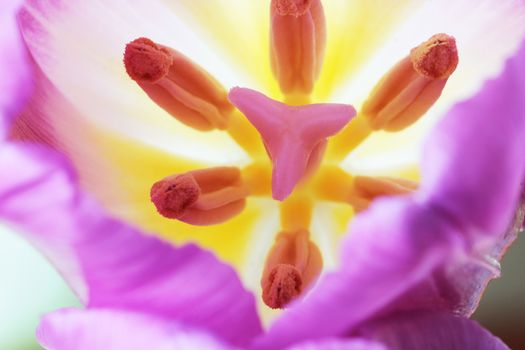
(110, 329)
(431, 331)
(15, 72)
(340, 344)
(459, 285)
(474, 168)
(393, 246)
(474, 162)
(110, 264)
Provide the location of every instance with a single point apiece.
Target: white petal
(487, 32)
(79, 45)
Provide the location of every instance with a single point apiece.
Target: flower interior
(295, 147)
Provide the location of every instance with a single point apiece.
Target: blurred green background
(29, 288)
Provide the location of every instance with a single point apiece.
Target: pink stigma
(292, 135)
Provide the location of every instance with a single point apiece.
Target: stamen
(366, 189)
(297, 44)
(413, 85)
(201, 197)
(178, 85)
(293, 136)
(292, 265)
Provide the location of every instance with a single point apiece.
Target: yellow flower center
(213, 196)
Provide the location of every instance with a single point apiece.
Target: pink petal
(15, 72)
(110, 264)
(112, 329)
(290, 134)
(431, 331)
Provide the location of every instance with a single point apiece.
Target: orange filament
(413, 85)
(178, 85)
(332, 183)
(349, 138)
(201, 197)
(258, 178)
(366, 189)
(292, 265)
(297, 45)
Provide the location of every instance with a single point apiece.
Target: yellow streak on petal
(387, 154)
(245, 135)
(125, 192)
(355, 29)
(409, 172)
(357, 131)
(330, 224)
(238, 30)
(341, 216)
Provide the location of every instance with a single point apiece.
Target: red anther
(436, 58)
(291, 7)
(284, 284)
(146, 61)
(174, 194)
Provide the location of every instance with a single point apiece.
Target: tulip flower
(416, 258)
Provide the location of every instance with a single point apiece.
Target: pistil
(201, 197)
(294, 137)
(297, 45)
(292, 265)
